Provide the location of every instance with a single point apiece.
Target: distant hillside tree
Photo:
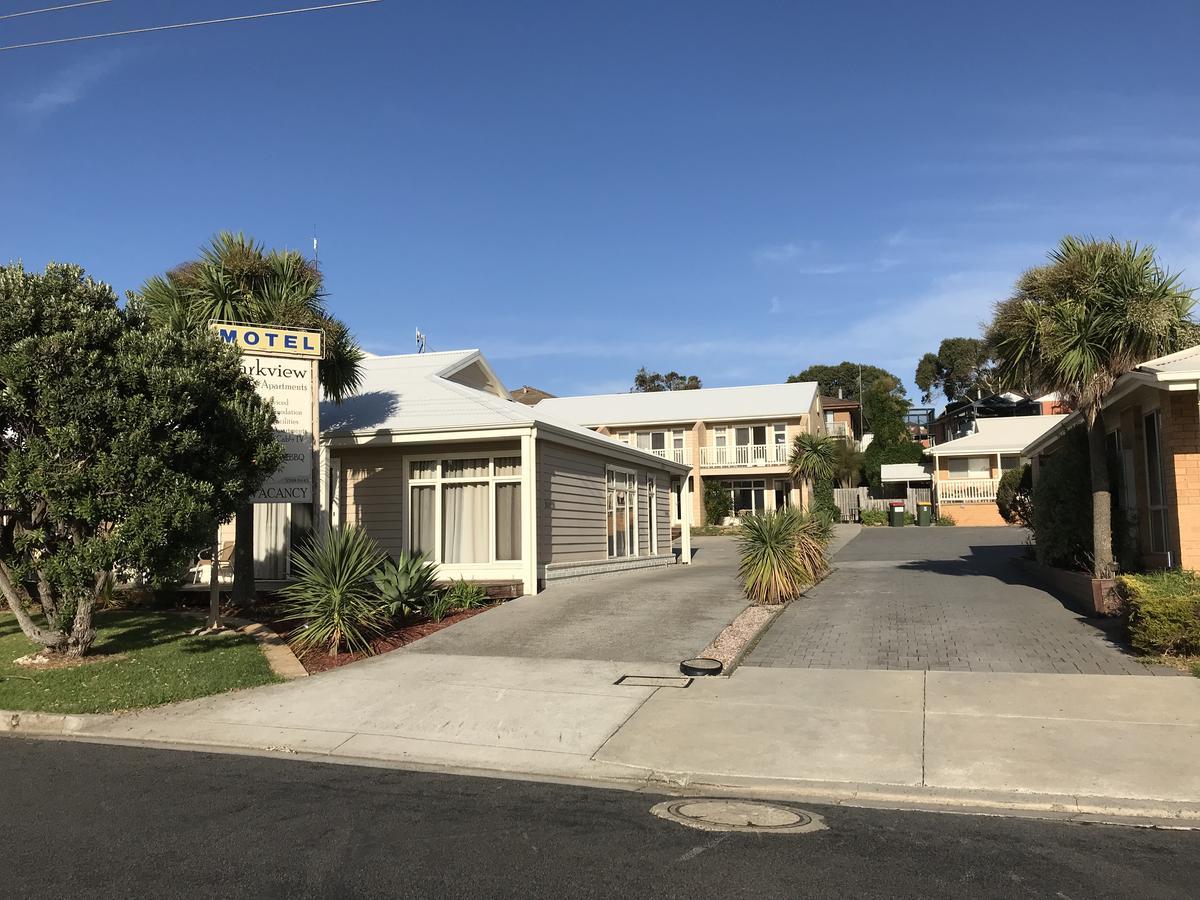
(645, 382)
(961, 369)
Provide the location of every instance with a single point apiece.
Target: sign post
(283, 363)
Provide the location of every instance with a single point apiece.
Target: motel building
(738, 437)
(433, 456)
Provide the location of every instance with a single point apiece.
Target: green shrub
(406, 585)
(910, 519)
(876, 455)
(1014, 496)
(872, 518)
(1164, 611)
(464, 594)
(717, 503)
(438, 606)
(782, 552)
(1062, 505)
(333, 597)
(945, 521)
(823, 503)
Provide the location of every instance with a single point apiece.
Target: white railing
(743, 457)
(968, 490)
(838, 429)
(680, 456)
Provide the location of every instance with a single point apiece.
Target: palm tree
(237, 280)
(1098, 310)
(814, 459)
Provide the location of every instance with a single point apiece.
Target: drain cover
(738, 815)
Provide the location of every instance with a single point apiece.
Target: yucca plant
(782, 553)
(406, 585)
(333, 597)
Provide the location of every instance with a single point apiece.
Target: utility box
(924, 513)
(896, 514)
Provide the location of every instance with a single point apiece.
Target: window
(465, 510)
(748, 496)
(970, 467)
(652, 511)
(622, 504)
(780, 434)
(783, 494)
(1155, 494)
(677, 439)
(719, 436)
(1008, 463)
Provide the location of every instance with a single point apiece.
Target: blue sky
(734, 190)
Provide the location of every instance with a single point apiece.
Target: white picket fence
(968, 490)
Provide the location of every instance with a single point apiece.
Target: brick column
(1181, 472)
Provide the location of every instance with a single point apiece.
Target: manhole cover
(738, 815)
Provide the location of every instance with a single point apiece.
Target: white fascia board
(759, 419)
(389, 438)
(475, 357)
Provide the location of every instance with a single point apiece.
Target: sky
(733, 190)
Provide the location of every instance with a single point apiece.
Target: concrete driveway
(939, 598)
(656, 616)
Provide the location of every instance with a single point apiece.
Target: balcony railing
(745, 456)
(838, 429)
(680, 456)
(968, 490)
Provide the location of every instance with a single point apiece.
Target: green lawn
(142, 659)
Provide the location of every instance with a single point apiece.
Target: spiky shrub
(405, 586)
(464, 594)
(782, 553)
(333, 597)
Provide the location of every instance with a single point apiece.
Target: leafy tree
(717, 503)
(652, 382)
(121, 445)
(961, 368)
(1014, 496)
(815, 459)
(883, 397)
(237, 280)
(848, 464)
(1075, 326)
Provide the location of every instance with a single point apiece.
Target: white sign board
(290, 386)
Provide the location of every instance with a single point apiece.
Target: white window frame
(1157, 512)
(633, 535)
(652, 510)
(970, 474)
(720, 436)
(779, 433)
(438, 481)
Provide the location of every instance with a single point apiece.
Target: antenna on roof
(420, 341)
(316, 258)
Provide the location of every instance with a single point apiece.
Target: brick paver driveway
(938, 598)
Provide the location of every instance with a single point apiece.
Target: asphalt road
(101, 821)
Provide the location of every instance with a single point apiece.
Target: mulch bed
(320, 661)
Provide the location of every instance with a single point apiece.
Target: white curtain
(465, 514)
(423, 516)
(272, 540)
(508, 520)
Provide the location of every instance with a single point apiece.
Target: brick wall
(972, 513)
(1181, 471)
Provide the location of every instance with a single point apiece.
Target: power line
(265, 15)
(46, 9)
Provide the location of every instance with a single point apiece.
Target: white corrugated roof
(413, 393)
(761, 401)
(1183, 364)
(903, 472)
(1008, 434)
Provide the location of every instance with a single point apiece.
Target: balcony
(839, 429)
(745, 456)
(968, 490)
(679, 456)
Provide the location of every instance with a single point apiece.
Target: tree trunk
(83, 633)
(1102, 551)
(243, 557)
(15, 595)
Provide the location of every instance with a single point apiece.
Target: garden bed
(317, 661)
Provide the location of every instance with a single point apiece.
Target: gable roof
(417, 393)
(1008, 434)
(762, 401)
(530, 395)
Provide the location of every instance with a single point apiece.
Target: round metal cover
(716, 814)
(701, 665)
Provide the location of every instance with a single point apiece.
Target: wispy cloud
(67, 86)
(777, 253)
(776, 307)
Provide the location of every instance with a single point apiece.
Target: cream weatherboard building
(433, 456)
(738, 437)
